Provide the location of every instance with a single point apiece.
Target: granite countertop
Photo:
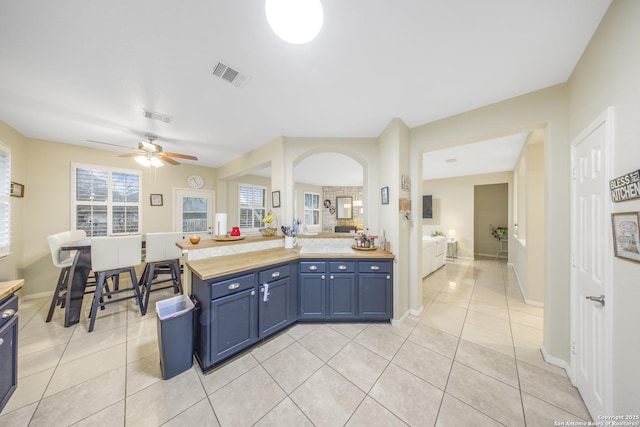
(210, 268)
(9, 287)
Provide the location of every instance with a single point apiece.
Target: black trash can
(175, 335)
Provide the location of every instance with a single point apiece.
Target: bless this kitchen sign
(625, 187)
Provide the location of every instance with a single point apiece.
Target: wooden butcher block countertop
(210, 268)
(9, 287)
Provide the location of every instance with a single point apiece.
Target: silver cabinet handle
(388, 277)
(599, 299)
(342, 267)
(313, 267)
(275, 274)
(233, 286)
(323, 276)
(8, 313)
(331, 277)
(1, 341)
(253, 293)
(375, 267)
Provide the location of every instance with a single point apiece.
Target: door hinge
(573, 348)
(573, 260)
(573, 173)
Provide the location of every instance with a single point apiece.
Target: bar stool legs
(149, 277)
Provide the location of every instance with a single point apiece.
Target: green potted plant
(499, 233)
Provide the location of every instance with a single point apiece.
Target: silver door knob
(599, 299)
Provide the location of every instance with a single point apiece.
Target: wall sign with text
(625, 187)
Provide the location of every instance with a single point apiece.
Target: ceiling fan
(150, 154)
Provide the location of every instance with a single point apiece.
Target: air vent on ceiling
(156, 116)
(229, 74)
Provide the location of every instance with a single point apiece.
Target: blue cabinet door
(312, 296)
(374, 296)
(233, 324)
(342, 296)
(273, 310)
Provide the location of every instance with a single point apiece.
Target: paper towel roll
(220, 226)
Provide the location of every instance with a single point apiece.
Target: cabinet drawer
(312, 267)
(274, 274)
(374, 267)
(342, 267)
(231, 286)
(8, 308)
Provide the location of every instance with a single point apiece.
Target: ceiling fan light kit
(150, 154)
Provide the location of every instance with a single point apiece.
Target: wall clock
(195, 181)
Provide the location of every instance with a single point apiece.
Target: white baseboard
(524, 298)
(552, 360)
(398, 322)
(36, 296)
(417, 312)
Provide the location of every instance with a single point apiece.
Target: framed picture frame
(275, 199)
(17, 190)
(156, 199)
(384, 195)
(626, 238)
(406, 183)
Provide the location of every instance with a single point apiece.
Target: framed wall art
(275, 199)
(384, 195)
(626, 239)
(156, 199)
(17, 190)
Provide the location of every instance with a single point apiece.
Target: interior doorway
(491, 214)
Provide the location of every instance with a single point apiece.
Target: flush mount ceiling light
(295, 21)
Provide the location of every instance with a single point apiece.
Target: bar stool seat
(162, 265)
(111, 257)
(64, 261)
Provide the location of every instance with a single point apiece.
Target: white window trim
(109, 202)
(312, 227)
(241, 184)
(5, 198)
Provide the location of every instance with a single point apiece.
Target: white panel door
(194, 212)
(591, 266)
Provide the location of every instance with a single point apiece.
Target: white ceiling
(495, 155)
(74, 70)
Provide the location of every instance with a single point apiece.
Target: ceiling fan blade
(179, 156)
(168, 160)
(131, 155)
(108, 143)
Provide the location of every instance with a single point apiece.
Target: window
(311, 209)
(105, 201)
(252, 201)
(5, 206)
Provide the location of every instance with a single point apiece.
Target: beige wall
(453, 207)
(491, 207)
(46, 206)
(12, 266)
(608, 74)
(528, 245)
(546, 109)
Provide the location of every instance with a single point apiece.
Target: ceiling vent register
(156, 116)
(229, 74)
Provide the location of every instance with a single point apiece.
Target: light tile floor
(471, 359)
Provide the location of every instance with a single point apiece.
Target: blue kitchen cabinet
(275, 299)
(342, 290)
(375, 290)
(312, 290)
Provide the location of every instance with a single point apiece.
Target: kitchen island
(244, 298)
